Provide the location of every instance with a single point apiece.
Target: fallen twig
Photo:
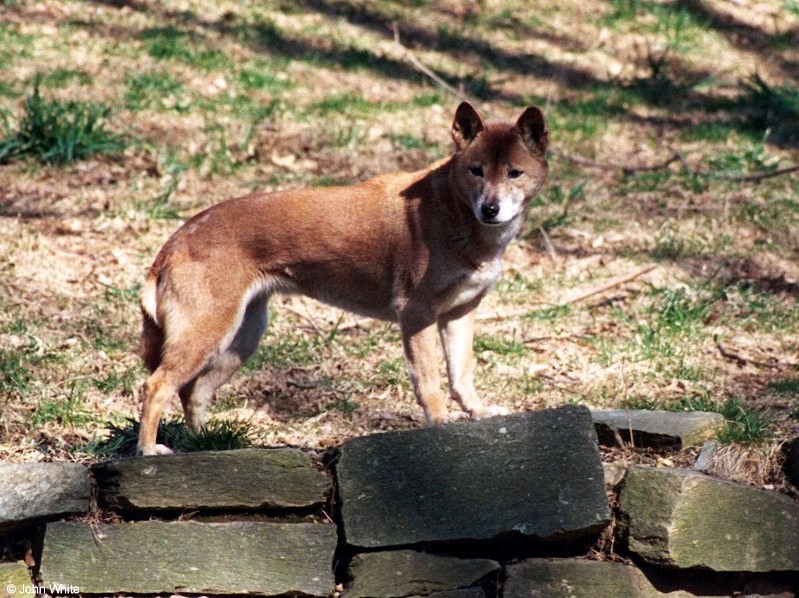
(419, 66)
(742, 361)
(677, 156)
(626, 169)
(616, 282)
(749, 178)
(553, 255)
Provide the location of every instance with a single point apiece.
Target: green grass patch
(20, 365)
(216, 435)
(710, 131)
(548, 314)
(283, 351)
(744, 424)
(551, 208)
(787, 386)
(58, 78)
(393, 372)
(748, 159)
(344, 405)
(498, 345)
(774, 216)
(56, 132)
(123, 381)
(172, 43)
(344, 103)
(671, 242)
(262, 80)
(410, 142)
(749, 309)
(772, 110)
(156, 90)
(15, 373)
(667, 337)
(426, 100)
(662, 332)
(13, 44)
(69, 411)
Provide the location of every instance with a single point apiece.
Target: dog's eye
(477, 171)
(514, 173)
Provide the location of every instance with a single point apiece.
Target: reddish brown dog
(421, 249)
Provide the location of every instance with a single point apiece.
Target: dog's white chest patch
(472, 285)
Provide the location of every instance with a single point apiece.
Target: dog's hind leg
(198, 394)
(200, 351)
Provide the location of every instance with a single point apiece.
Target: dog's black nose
(489, 210)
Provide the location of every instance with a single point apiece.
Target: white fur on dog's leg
(489, 411)
(156, 449)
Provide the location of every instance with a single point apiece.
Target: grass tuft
(216, 435)
(773, 110)
(744, 425)
(56, 132)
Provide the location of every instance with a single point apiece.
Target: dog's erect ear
(533, 129)
(466, 126)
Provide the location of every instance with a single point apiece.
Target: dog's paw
(489, 411)
(153, 449)
(447, 418)
(456, 416)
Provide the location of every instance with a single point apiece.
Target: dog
(420, 248)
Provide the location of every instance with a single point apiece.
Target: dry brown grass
(76, 240)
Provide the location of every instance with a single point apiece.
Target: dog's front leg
(457, 337)
(421, 348)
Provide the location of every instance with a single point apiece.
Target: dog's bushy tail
(151, 342)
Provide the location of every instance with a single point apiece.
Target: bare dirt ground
(661, 134)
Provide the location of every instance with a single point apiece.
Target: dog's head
(499, 167)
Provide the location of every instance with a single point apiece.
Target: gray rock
(33, 492)
(534, 475)
(242, 479)
(704, 461)
(154, 557)
(682, 518)
(614, 473)
(658, 429)
(404, 573)
(575, 578)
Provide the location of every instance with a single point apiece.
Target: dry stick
(751, 178)
(581, 161)
(417, 64)
(616, 282)
(553, 255)
(677, 157)
(742, 361)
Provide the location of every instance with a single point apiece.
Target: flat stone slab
(155, 557)
(683, 518)
(401, 573)
(575, 578)
(241, 479)
(656, 429)
(32, 492)
(535, 475)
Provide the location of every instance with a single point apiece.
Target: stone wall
(513, 506)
